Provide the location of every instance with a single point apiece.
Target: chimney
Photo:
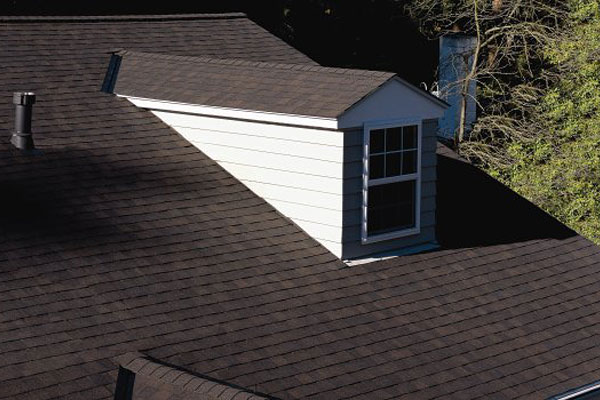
(21, 137)
(456, 58)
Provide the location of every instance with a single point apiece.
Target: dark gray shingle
(156, 381)
(248, 85)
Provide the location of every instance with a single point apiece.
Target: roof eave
(310, 121)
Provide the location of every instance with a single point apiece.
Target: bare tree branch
(507, 64)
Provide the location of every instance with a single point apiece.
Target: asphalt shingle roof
(154, 380)
(121, 236)
(249, 85)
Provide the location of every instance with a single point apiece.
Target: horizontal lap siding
(300, 171)
(312, 176)
(352, 216)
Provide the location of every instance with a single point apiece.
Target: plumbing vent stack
(21, 137)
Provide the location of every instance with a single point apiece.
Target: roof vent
(21, 137)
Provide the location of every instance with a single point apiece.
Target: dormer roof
(237, 84)
(308, 90)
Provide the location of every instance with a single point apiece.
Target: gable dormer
(348, 155)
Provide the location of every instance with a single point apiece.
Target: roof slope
(123, 237)
(50, 49)
(154, 380)
(248, 85)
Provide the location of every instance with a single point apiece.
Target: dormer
(347, 155)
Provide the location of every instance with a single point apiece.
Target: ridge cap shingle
(258, 64)
(118, 18)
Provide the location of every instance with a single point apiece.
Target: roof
(120, 236)
(300, 89)
(154, 380)
(52, 19)
(63, 41)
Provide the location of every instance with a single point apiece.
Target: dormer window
(391, 177)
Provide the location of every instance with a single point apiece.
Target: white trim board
(189, 123)
(421, 248)
(222, 112)
(394, 99)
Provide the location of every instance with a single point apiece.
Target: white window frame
(398, 123)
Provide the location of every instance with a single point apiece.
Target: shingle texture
(248, 85)
(122, 237)
(157, 381)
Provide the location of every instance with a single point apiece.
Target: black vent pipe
(22, 138)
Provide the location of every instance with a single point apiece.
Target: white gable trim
(435, 102)
(223, 112)
(395, 99)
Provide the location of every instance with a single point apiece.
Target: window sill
(391, 235)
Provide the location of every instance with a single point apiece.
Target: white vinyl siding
(394, 100)
(299, 171)
(312, 176)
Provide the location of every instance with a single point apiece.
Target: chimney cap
(23, 98)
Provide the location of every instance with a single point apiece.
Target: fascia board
(240, 114)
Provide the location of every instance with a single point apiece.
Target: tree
(559, 169)
(538, 66)
(357, 34)
(506, 63)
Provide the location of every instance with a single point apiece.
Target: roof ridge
(133, 17)
(259, 64)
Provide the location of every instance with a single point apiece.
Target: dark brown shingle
(153, 380)
(248, 85)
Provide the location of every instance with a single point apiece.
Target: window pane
(391, 207)
(377, 141)
(410, 137)
(409, 162)
(392, 164)
(393, 137)
(376, 167)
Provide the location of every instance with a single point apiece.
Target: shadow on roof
(476, 210)
(151, 379)
(55, 195)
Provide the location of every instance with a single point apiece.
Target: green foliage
(560, 169)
